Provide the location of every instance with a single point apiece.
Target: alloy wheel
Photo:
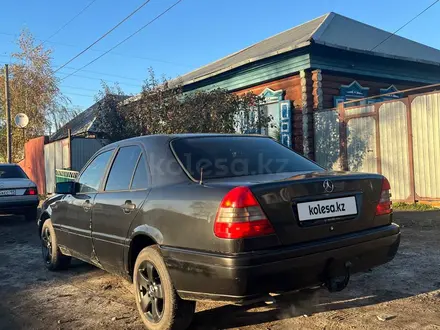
(46, 245)
(150, 292)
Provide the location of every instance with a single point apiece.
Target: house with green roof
(315, 66)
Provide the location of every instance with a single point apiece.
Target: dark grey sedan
(233, 218)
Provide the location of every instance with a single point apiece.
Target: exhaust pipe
(336, 284)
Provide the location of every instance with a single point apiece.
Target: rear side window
(11, 172)
(140, 179)
(232, 156)
(90, 179)
(122, 169)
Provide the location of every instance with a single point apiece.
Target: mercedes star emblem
(328, 186)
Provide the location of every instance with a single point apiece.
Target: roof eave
(242, 63)
(395, 57)
(235, 66)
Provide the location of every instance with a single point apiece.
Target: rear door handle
(128, 207)
(87, 206)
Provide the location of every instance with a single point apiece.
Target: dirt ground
(404, 293)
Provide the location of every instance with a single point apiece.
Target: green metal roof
(331, 30)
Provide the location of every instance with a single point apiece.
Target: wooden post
(343, 156)
(305, 114)
(69, 135)
(8, 118)
(378, 151)
(413, 197)
(317, 103)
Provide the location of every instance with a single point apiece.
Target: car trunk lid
(14, 186)
(309, 206)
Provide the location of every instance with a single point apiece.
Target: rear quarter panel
(182, 216)
(179, 212)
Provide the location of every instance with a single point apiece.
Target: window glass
(11, 172)
(91, 177)
(272, 128)
(140, 179)
(123, 168)
(231, 156)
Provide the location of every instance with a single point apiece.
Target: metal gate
(399, 139)
(361, 144)
(425, 117)
(56, 156)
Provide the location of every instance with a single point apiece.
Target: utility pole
(8, 117)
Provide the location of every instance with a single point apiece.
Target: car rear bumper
(18, 204)
(249, 276)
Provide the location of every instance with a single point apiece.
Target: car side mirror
(66, 188)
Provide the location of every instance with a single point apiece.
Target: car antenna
(201, 175)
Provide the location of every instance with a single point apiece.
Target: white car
(18, 194)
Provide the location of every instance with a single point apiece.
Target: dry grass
(412, 207)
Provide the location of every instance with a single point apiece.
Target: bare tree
(34, 91)
(110, 120)
(162, 108)
(59, 115)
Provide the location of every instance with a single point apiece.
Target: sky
(192, 34)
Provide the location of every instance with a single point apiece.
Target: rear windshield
(11, 172)
(222, 157)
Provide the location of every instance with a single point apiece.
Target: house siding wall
(293, 92)
(255, 73)
(312, 77)
(356, 63)
(290, 85)
(332, 81)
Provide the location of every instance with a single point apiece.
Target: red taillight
(31, 191)
(384, 205)
(240, 216)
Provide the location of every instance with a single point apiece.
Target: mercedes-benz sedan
(233, 218)
(18, 194)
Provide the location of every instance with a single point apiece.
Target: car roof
(155, 138)
(158, 150)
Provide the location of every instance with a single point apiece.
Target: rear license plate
(10, 192)
(328, 208)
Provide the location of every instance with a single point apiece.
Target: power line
(94, 78)
(106, 80)
(104, 35)
(404, 25)
(106, 74)
(151, 59)
(100, 79)
(129, 37)
(80, 88)
(87, 89)
(83, 95)
(101, 51)
(68, 22)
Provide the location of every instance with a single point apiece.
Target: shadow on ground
(94, 297)
(301, 304)
(412, 273)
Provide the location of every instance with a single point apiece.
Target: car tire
(52, 256)
(157, 301)
(31, 215)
